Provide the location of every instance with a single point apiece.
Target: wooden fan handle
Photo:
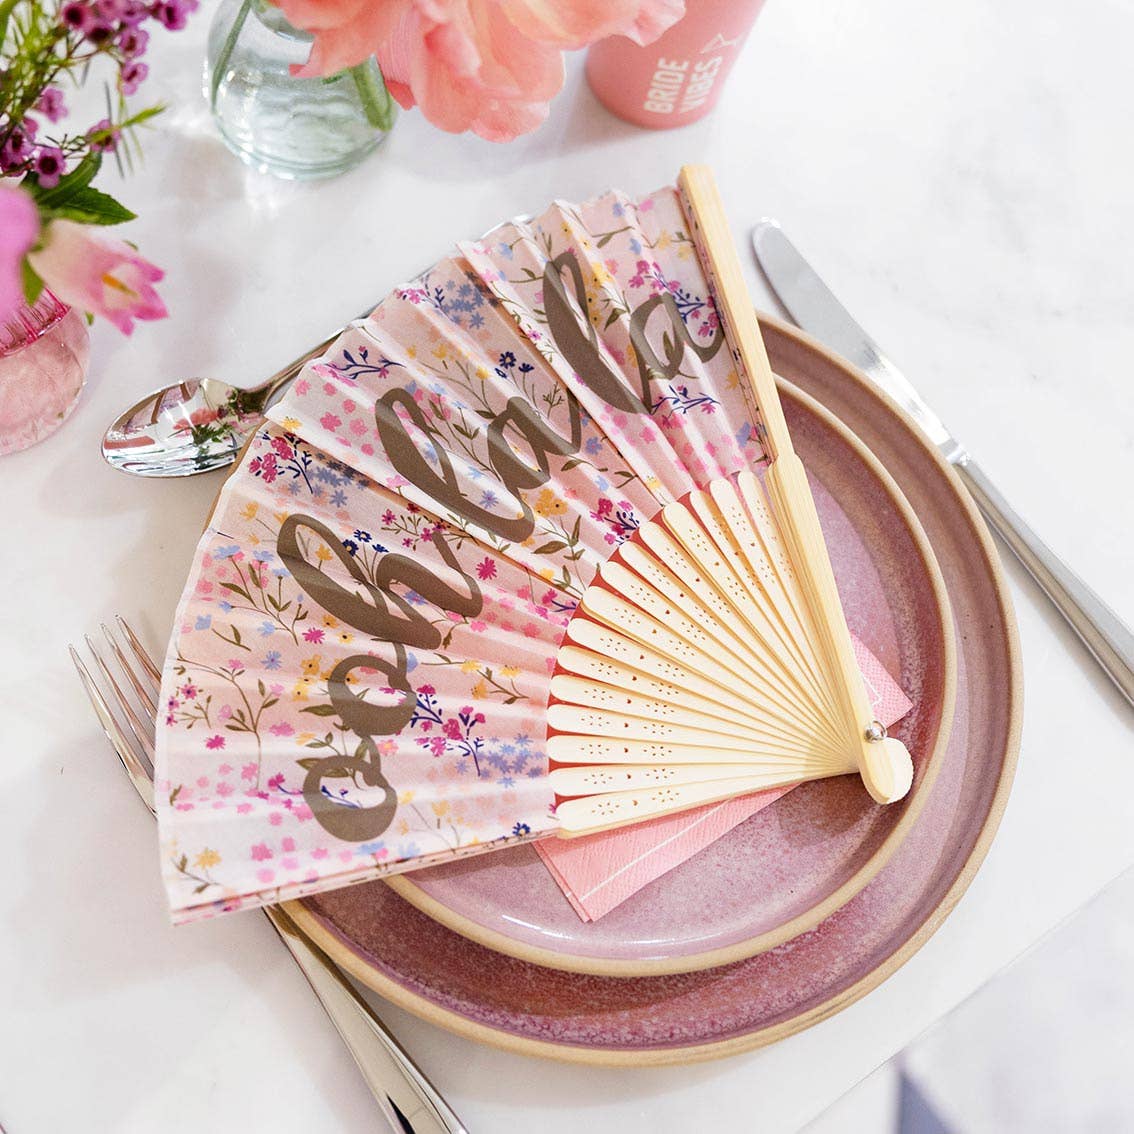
(884, 762)
(886, 769)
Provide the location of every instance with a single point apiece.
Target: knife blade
(813, 306)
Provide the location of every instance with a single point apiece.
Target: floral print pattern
(359, 672)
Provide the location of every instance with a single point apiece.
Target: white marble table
(958, 174)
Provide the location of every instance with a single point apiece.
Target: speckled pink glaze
(746, 999)
(787, 860)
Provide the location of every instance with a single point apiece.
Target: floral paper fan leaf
(505, 564)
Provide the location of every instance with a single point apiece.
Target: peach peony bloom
(490, 66)
(19, 224)
(571, 24)
(104, 277)
(346, 31)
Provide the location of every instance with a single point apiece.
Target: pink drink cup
(678, 78)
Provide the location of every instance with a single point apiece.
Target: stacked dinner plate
(813, 901)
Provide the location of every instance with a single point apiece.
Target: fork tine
(137, 726)
(144, 691)
(144, 659)
(139, 777)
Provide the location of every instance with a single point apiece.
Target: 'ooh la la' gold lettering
(577, 340)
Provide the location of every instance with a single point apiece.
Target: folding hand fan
(533, 551)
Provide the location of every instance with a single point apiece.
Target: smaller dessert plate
(782, 871)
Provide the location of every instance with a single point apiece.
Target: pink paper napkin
(599, 872)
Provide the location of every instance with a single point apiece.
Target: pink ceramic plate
(481, 994)
(785, 869)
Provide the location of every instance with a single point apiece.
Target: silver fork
(410, 1102)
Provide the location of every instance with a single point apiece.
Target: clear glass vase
(294, 128)
(44, 351)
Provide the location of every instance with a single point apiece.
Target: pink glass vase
(44, 350)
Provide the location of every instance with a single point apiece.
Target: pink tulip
(104, 277)
(490, 66)
(19, 223)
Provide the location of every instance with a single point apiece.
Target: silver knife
(814, 308)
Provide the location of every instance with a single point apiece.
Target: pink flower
(330, 422)
(215, 741)
(51, 104)
(579, 23)
(490, 66)
(49, 165)
(105, 277)
(132, 75)
(19, 223)
(486, 569)
(346, 31)
(260, 852)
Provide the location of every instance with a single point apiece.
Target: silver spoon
(197, 425)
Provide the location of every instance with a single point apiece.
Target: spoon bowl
(197, 425)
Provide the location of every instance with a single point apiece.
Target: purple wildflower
(131, 76)
(134, 12)
(103, 137)
(49, 166)
(77, 16)
(51, 104)
(132, 42)
(100, 31)
(18, 146)
(174, 14)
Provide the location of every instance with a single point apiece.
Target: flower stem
(375, 98)
(226, 52)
